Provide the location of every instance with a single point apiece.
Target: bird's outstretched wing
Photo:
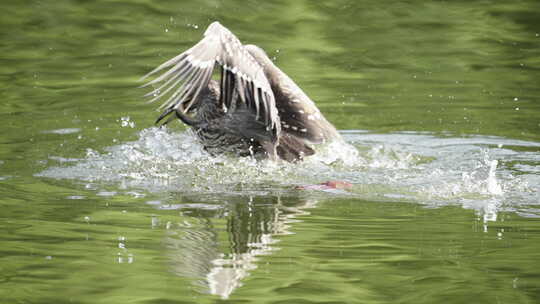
(241, 76)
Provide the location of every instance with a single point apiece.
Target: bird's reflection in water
(218, 245)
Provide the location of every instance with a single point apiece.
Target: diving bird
(253, 108)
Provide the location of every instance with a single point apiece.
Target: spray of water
(411, 167)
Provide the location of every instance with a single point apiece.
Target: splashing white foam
(405, 166)
(492, 185)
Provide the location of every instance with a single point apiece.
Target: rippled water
(485, 174)
(437, 102)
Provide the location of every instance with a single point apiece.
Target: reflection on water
(232, 209)
(220, 243)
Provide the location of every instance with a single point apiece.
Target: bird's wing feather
(242, 76)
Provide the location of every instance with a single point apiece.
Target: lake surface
(438, 103)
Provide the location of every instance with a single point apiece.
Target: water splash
(413, 167)
(492, 185)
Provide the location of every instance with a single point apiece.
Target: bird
(250, 107)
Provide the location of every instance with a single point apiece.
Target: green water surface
(69, 74)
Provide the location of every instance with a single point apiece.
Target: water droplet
(75, 197)
(493, 185)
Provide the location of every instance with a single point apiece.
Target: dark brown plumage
(255, 108)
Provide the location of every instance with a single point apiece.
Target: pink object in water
(327, 186)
